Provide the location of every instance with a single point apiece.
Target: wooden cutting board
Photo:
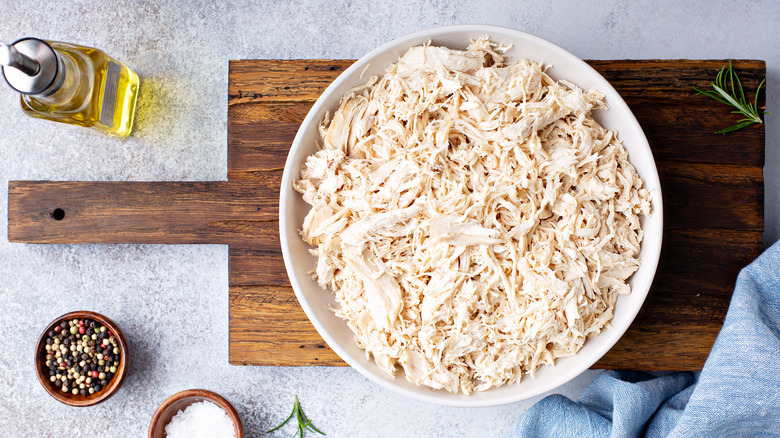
(712, 186)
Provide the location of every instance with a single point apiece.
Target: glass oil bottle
(72, 84)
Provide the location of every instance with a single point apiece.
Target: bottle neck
(59, 79)
(65, 85)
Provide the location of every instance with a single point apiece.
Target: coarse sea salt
(201, 420)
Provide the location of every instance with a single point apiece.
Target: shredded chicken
(472, 219)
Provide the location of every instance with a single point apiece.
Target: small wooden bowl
(180, 400)
(90, 399)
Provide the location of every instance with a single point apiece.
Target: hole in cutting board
(58, 214)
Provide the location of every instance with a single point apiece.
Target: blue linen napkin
(737, 393)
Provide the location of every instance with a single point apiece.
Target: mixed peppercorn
(82, 356)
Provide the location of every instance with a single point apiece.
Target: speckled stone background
(172, 300)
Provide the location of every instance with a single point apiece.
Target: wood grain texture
(275, 311)
(712, 184)
(137, 212)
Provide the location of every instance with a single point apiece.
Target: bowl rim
(113, 385)
(196, 393)
(650, 260)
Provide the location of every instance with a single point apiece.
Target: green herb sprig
(727, 89)
(304, 423)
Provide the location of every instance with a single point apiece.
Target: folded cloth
(737, 393)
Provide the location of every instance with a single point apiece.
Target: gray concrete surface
(172, 300)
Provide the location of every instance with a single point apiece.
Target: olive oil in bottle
(72, 84)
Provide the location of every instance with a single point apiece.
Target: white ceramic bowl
(299, 262)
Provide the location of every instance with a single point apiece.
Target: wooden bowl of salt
(196, 412)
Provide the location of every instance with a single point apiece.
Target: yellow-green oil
(97, 92)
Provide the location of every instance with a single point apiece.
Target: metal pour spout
(10, 57)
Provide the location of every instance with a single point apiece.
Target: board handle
(218, 212)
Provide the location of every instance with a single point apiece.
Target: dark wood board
(712, 185)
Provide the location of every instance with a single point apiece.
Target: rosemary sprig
(727, 89)
(304, 423)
